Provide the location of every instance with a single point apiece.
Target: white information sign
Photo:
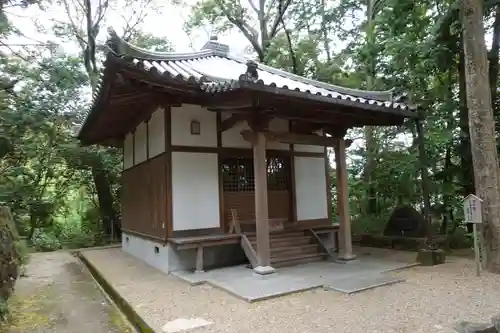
(473, 209)
(473, 214)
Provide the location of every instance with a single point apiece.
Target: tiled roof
(216, 70)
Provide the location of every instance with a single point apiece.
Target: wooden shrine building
(226, 158)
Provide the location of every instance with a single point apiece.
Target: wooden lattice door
(239, 186)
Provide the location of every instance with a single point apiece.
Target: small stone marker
(495, 320)
(184, 324)
(473, 213)
(466, 327)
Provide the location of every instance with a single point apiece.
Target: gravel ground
(431, 300)
(58, 295)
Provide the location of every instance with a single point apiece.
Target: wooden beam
(292, 138)
(230, 122)
(224, 105)
(304, 127)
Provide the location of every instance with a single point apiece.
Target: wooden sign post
(473, 214)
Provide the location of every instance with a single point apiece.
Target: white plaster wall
(195, 191)
(128, 151)
(140, 143)
(156, 133)
(278, 125)
(145, 250)
(310, 187)
(232, 137)
(181, 126)
(310, 149)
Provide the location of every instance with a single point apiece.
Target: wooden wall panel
(144, 198)
(279, 204)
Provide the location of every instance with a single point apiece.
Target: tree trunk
(482, 127)
(494, 57)
(467, 171)
(447, 187)
(107, 211)
(324, 32)
(369, 131)
(448, 171)
(100, 174)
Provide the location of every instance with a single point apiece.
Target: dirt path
(58, 295)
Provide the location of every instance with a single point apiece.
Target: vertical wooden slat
(292, 189)
(133, 147)
(328, 187)
(291, 182)
(151, 195)
(222, 225)
(147, 139)
(168, 172)
(261, 203)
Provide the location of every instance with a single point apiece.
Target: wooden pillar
(345, 237)
(261, 205)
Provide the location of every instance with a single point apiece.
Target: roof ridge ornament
(214, 45)
(379, 95)
(125, 49)
(251, 74)
(114, 42)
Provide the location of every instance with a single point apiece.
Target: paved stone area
(432, 299)
(58, 295)
(366, 272)
(356, 284)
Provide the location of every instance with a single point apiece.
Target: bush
(369, 224)
(10, 258)
(45, 241)
(460, 239)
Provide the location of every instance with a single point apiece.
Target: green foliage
(10, 259)
(150, 42)
(45, 241)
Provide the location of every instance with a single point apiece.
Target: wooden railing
(249, 251)
(322, 244)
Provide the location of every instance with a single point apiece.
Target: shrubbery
(75, 233)
(11, 257)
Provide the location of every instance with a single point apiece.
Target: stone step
(287, 251)
(290, 241)
(279, 235)
(296, 260)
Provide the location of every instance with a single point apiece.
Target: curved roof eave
(123, 48)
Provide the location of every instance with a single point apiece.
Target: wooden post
(477, 255)
(345, 238)
(199, 259)
(261, 204)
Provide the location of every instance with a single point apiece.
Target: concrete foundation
(166, 258)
